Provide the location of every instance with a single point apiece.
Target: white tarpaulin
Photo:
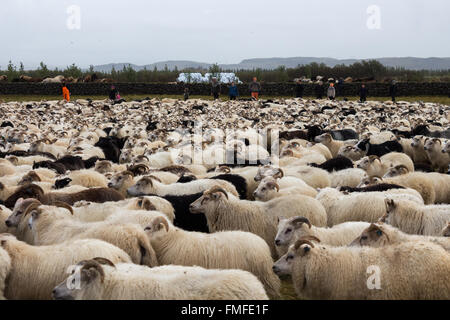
(222, 77)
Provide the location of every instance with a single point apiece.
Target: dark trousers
(232, 97)
(216, 95)
(363, 99)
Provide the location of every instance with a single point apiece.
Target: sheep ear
(3, 243)
(148, 205)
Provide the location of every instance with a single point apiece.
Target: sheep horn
(310, 238)
(94, 264)
(281, 172)
(31, 207)
(159, 220)
(217, 189)
(104, 261)
(64, 205)
(128, 173)
(225, 169)
(299, 242)
(302, 220)
(277, 186)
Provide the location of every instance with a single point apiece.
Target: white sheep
(412, 218)
(36, 270)
(219, 250)
(5, 267)
(347, 178)
(49, 227)
(333, 145)
(315, 177)
(132, 282)
(149, 185)
(439, 160)
(375, 166)
(270, 188)
(226, 212)
(292, 229)
(364, 206)
(382, 234)
(410, 270)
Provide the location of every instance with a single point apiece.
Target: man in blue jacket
(233, 91)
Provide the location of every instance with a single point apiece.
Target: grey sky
(147, 31)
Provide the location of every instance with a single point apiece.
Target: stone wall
(270, 89)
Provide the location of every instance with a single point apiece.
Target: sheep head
(157, 225)
(373, 236)
(21, 209)
(209, 198)
(288, 228)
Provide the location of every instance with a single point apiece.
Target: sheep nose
(277, 242)
(8, 223)
(110, 185)
(275, 269)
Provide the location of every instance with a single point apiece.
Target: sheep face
(283, 266)
(21, 208)
(446, 231)
(158, 228)
(417, 142)
(373, 236)
(268, 171)
(299, 226)
(85, 282)
(29, 178)
(141, 203)
(432, 145)
(350, 152)
(103, 166)
(210, 200)
(120, 179)
(126, 156)
(142, 187)
(266, 190)
(299, 250)
(367, 181)
(323, 138)
(396, 171)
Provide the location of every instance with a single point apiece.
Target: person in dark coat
(186, 93)
(393, 90)
(113, 93)
(340, 88)
(215, 88)
(363, 93)
(299, 89)
(319, 90)
(233, 91)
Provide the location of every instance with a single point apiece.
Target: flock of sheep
(169, 199)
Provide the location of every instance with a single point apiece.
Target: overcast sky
(147, 31)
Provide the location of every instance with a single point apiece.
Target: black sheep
(71, 162)
(110, 148)
(335, 164)
(379, 149)
(184, 219)
(62, 183)
(238, 181)
(58, 167)
(186, 178)
(424, 131)
(90, 163)
(375, 188)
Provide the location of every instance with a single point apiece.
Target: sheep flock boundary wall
(270, 89)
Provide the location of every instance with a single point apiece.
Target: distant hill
(410, 63)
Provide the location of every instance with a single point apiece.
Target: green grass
(7, 98)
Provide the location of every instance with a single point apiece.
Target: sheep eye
(289, 257)
(288, 230)
(364, 237)
(263, 189)
(379, 233)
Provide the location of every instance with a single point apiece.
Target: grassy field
(7, 98)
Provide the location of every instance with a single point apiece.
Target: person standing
(331, 92)
(393, 90)
(186, 93)
(215, 88)
(113, 93)
(255, 88)
(299, 89)
(363, 93)
(340, 87)
(233, 91)
(66, 93)
(319, 90)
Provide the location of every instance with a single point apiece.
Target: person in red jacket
(66, 93)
